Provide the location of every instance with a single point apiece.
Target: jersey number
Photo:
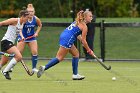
(29, 30)
(71, 27)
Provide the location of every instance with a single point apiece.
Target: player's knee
(76, 55)
(34, 52)
(18, 58)
(60, 58)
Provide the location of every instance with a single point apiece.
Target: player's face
(31, 12)
(25, 18)
(89, 17)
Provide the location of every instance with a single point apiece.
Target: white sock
(11, 64)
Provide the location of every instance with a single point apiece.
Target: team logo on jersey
(18, 28)
(69, 45)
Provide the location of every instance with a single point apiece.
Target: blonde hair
(81, 16)
(30, 6)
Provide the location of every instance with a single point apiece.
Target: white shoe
(35, 70)
(41, 71)
(77, 77)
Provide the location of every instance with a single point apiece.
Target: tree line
(65, 8)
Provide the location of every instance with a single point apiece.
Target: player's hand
(90, 52)
(22, 38)
(36, 35)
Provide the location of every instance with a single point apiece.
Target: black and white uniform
(10, 36)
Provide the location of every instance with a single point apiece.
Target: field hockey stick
(7, 54)
(26, 38)
(106, 67)
(26, 68)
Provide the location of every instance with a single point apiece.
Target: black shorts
(5, 45)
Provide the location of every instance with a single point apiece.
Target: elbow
(40, 25)
(83, 40)
(1, 24)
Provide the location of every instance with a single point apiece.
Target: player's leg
(75, 60)
(13, 61)
(21, 46)
(4, 46)
(59, 57)
(3, 61)
(34, 50)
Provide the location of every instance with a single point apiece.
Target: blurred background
(63, 8)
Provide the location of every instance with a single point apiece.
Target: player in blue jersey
(29, 31)
(77, 29)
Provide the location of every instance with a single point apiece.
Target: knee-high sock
(34, 61)
(11, 64)
(51, 63)
(75, 61)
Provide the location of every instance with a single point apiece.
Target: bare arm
(22, 37)
(83, 38)
(39, 26)
(11, 21)
(80, 38)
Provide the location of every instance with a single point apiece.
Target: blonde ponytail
(30, 6)
(80, 17)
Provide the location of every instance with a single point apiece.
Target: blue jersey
(29, 30)
(69, 35)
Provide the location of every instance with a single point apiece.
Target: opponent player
(29, 31)
(77, 29)
(7, 42)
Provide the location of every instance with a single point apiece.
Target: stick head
(109, 68)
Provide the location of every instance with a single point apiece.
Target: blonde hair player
(30, 33)
(77, 29)
(7, 42)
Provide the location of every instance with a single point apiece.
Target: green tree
(113, 8)
(8, 8)
(61, 8)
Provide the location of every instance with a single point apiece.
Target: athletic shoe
(11, 70)
(6, 74)
(41, 71)
(78, 77)
(35, 70)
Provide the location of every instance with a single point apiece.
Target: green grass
(58, 79)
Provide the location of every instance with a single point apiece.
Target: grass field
(58, 79)
(120, 43)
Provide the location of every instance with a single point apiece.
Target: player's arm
(83, 38)
(80, 38)
(39, 26)
(20, 33)
(10, 21)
